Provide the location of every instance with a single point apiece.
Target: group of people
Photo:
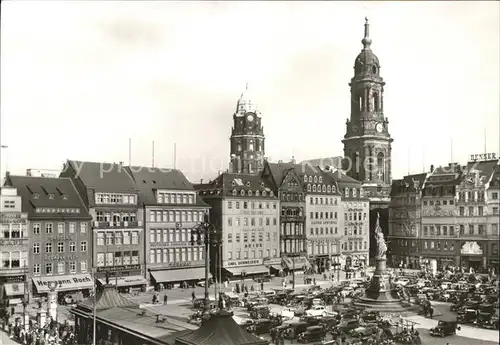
(49, 334)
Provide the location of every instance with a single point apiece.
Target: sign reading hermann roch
(239, 263)
(64, 283)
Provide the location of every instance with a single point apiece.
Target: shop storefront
(12, 290)
(239, 269)
(298, 263)
(274, 266)
(76, 285)
(471, 256)
(186, 274)
(126, 278)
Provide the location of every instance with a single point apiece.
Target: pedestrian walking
(262, 286)
(431, 312)
(193, 296)
(165, 299)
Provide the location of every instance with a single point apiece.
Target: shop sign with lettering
(12, 279)
(276, 261)
(118, 268)
(16, 242)
(11, 216)
(60, 257)
(83, 281)
(483, 156)
(170, 244)
(60, 238)
(252, 212)
(240, 263)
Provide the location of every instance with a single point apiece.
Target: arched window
(376, 102)
(242, 193)
(324, 189)
(314, 187)
(354, 192)
(305, 178)
(346, 192)
(320, 179)
(380, 166)
(310, 179)
(308, 187)
(329, 189)
(315, 179)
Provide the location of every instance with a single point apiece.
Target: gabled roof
(495, 178)
(408, 184)
(332, 162)
(49, 193)
(220, 329)
(108, 297)
(482, 171)
(148, 180)
(102, 177)
(449, 175)
(242, 184)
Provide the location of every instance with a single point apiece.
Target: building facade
(245, 210)
(291, 191)
(14, 247)
(493, 217)
(59, 235)
(247, 137)
(367, 142)
(405, 220)
(171, 209)
(354, 224)
(110, 194)
(323, 210)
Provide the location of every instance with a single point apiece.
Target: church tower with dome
(247, 137)
(367, 141)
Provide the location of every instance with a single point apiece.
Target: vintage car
(278, 298)
(295, 329)
(363, 332)
(255, 302)
(370, 316)
(345, 326)
(311, 320)
(447, 295)
(260, 326)
(313, 333)
(487, 320)
(260, 312)
(199, 303)
(469, 316)
(444, 328)
(317, 310)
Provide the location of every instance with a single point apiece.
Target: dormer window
(314, 188)
(320, 179)
(323, 189)
(257, 193)
(36, 195)
(233, 184)
(249, 193)
(310, 179)
(248, 184)
(329, 189)
(51, 196)
(315, 179)
(235, 192)
(65, 197)
(354, 192)
(262, 185)
(305, 178)
(264, 193)
(271, 193)
(346, 192)
(361, 193)
(334, 189)
(242, 193)
(308, 187)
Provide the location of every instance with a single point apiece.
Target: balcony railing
(107, 225)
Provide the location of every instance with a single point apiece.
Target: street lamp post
(205, 233)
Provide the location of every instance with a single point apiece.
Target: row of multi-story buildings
(133, 226)
(447, 217)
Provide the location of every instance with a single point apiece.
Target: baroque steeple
(367, 142)
(247, 136)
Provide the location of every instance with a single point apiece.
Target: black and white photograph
(249, 172)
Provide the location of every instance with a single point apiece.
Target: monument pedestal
(379, 296)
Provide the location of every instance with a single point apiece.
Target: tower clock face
(250, 118)
(379, 127)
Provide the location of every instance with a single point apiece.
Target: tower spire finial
(366, 40)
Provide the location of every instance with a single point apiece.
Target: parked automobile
(313, 333)
(295, 329)
(445, 328)
(345, 326)
(401, 281)
(317, 310)
(487, 320)
(260, 312)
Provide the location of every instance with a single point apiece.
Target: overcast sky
(78, 79)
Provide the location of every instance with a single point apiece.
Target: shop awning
(125, 281)
(184, 274)
(14, 289)
(64, 283)
(276, 267)
(298, 263)
(236, 271)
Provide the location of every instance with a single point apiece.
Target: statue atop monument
(379, 237)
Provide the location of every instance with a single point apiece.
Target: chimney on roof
(121, 163)
(432, 168)
(327, 168)
(280, 161)
(201, 181)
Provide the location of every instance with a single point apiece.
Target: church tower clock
(247, 137)
(367, 142)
